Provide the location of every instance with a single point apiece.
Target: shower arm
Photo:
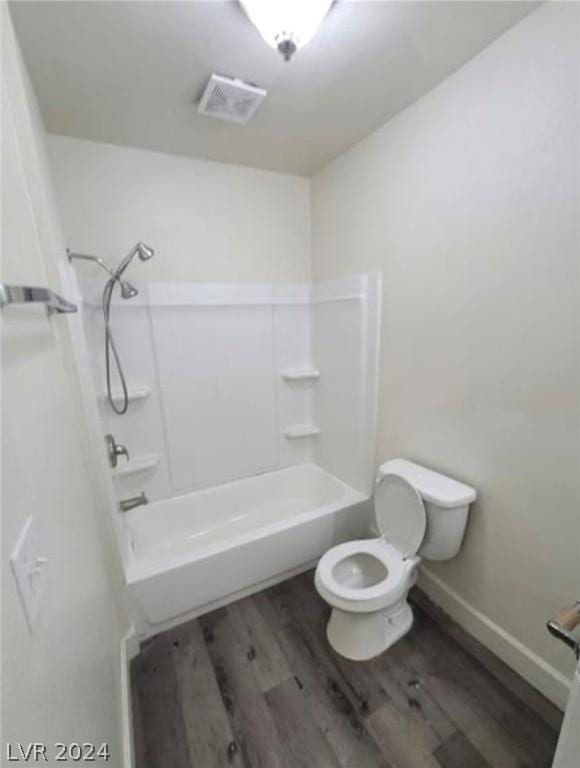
(85, 257)
(127, 289)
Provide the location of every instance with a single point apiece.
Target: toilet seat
(364, 599)
(401, 519)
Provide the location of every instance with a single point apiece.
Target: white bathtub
(195, 552)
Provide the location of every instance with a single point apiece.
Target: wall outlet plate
(29, 568)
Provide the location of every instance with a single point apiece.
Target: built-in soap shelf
(300, 374)
(137, 392)
(301, 430)
(138, 464)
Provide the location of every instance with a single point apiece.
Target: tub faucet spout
(126, 505)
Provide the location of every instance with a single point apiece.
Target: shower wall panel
(141, 429)
(216, 373)
(228, 381)
(345, 322)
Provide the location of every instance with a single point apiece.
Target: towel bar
(24, 294)
(563, 623)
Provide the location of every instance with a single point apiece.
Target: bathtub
(195, 552)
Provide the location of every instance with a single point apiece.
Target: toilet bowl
(366, 582)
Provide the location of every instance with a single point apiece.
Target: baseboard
(538, 672)
(129, 648)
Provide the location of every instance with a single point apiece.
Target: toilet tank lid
(433, 487)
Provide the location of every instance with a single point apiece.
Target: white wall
(468, 201)
(207, 221)
(61, 682)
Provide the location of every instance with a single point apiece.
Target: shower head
(144, 251)
(128, 291)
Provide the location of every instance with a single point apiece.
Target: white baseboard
(543, 676)
(129, 648)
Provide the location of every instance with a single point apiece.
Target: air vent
(229, 99)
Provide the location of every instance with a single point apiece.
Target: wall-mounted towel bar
(25, 294)
(564, 623)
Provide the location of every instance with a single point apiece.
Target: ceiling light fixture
(287, 25)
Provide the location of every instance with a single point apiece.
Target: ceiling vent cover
(229, 99)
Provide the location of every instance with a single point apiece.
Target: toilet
(419, 514)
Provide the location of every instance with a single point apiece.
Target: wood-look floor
(257, 685)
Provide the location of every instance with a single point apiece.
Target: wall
(60, 682)
(468, 202)
(207, 221)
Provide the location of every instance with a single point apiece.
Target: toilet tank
(446, 504)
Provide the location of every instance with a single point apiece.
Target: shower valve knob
(114, 450)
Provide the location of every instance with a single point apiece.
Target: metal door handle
(562, 625)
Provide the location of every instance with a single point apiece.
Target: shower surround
(251, 428)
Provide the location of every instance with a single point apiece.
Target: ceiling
(129, 73)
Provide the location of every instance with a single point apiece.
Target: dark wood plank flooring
(256, 685)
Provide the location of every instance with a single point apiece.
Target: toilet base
(362, 636)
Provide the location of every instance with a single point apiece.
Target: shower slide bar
(24, 294)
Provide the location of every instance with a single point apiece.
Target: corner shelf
(300, 374)
(302, 430)
(140, 464)
(139, 392)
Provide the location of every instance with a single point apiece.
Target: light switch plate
(29, 568)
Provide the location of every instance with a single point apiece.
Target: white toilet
(419, 514)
